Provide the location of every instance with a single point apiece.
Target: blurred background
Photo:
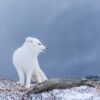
(69, 28)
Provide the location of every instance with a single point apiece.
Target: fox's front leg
(21, 76)
(28, 78)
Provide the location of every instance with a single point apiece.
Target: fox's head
(35, 44)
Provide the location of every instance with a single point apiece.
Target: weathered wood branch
(59, 84)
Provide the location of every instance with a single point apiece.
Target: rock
(93, 78)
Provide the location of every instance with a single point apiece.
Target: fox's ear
(29, 39)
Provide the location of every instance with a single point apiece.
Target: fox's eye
(39, 43)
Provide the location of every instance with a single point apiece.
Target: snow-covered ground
(9, 90)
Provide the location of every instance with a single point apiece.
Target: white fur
(25, 60)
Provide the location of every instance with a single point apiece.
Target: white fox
(25, 60)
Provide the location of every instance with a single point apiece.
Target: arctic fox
(25, 60)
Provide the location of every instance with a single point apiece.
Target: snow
(10, 90)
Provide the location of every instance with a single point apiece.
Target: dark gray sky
(69, 28)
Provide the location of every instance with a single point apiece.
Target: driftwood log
(59, 84)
